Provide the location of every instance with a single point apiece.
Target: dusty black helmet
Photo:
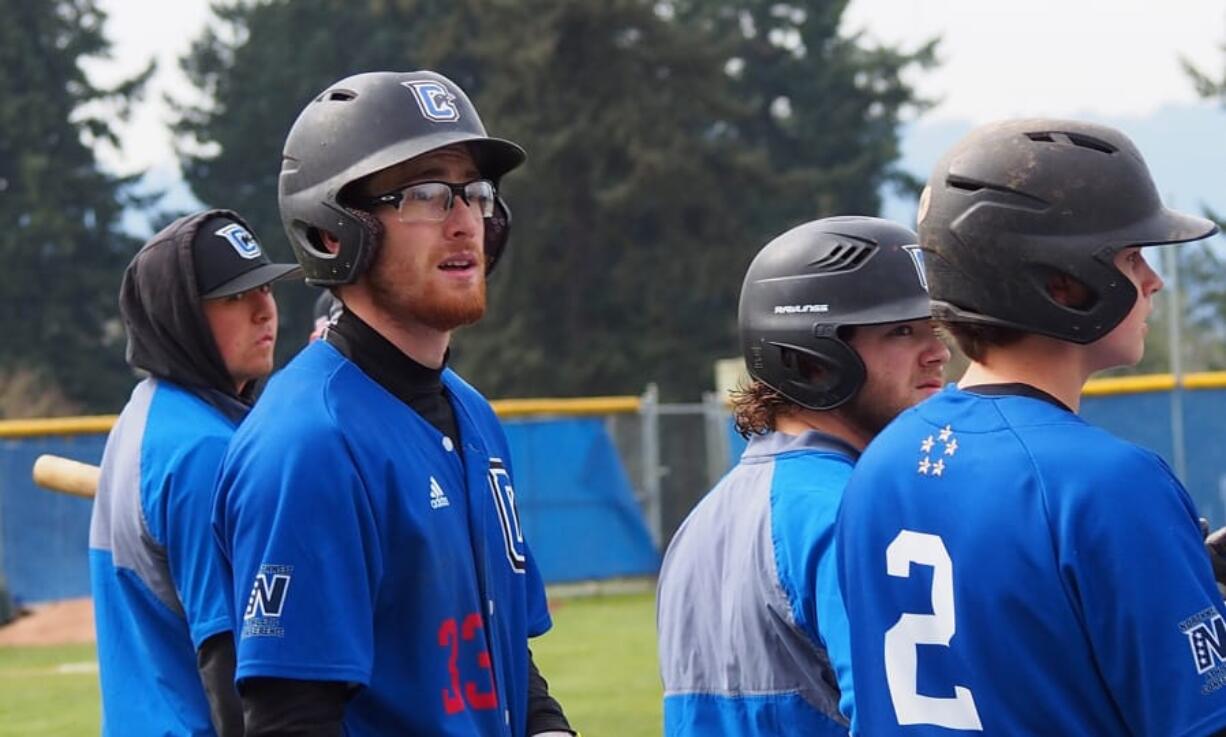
(1016, 202)
(815, 278)
(364, 124)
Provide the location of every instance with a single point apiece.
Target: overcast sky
(1103, 58)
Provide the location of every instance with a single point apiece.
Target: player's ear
(323, 238)
(805, 366)
(1070, 291)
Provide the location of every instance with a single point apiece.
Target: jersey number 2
(910, 707)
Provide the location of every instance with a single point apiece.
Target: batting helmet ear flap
(373, 231)
(820, 376)
(359, 234)
(497, 233)
(331, 267)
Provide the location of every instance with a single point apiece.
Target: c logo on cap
(435, 100)
(243, 242)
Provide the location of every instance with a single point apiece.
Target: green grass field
(48, 691)
(600, 660)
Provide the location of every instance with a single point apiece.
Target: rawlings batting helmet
(806, 284)
(1017, 202)
(364, 124)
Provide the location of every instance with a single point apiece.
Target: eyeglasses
(432, 201)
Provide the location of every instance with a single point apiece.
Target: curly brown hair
(756, 406)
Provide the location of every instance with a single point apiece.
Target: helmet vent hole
(1097, 144)
(971, 185)
(844, 256)
(966, 185)
(339, 95)
(1075, 139)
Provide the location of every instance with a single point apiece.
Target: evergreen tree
(62, 249)
(629, 243)
(826, 107)
(258, 65)
(657, 163)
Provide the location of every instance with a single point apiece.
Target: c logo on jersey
(1206, 633)
(508, 517)
(435, 100)
(242, 240)
(917, 258)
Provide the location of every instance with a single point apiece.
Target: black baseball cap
(229, 260)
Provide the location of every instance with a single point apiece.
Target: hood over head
(160, 301)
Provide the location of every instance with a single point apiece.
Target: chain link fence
(674, 453)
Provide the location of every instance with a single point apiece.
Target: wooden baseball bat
(66, 475)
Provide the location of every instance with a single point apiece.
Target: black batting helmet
(817, 277)
(364, 124)
(1017, 202)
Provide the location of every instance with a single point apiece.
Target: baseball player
(835, 330)
(1007, 567)
(381, 579)
(201, 321)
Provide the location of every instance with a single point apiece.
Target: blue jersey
(155, 570)
(753, 636)
(366, 548)
(1011, 569)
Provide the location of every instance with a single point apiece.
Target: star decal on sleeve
(924, 465)
(926, 446)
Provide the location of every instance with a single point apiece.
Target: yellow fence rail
(628, 404)
(1153, 383)
(94, 424)
(506, 408)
